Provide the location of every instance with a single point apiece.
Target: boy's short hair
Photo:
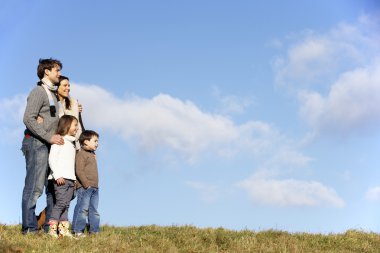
(46, 64)
(86, 135)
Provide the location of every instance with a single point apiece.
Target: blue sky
(237, 114)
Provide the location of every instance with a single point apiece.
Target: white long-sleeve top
(73, 111)
(62, 159)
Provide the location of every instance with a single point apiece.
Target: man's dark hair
(86, 136)
(47, 64)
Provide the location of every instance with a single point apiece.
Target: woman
(69, 106)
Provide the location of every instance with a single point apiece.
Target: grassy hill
(189, 239)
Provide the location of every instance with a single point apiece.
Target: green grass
(189, 239)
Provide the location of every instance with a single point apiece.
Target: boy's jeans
(36, 157)
(86, 207)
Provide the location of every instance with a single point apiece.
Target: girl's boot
(64, 230)
(53, 228)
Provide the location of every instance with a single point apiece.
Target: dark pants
(63, 195)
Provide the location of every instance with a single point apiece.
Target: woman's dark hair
(64, 124)
(67, 100)
(86, 136)
(46, 64)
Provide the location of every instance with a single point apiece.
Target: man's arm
(33, 106)
(55, 139)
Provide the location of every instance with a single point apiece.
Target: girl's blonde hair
(64, 124)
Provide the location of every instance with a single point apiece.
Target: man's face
(53, 74)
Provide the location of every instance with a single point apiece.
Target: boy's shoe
(79, 235)
(63, 229)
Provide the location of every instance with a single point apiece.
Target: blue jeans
(36, 155)
(86, 209)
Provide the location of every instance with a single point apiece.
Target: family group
(60, 158)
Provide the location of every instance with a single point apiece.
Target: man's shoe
(29, 231)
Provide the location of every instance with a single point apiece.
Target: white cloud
(235, 105)
(11, 125)
(316, 58)
(291, 157)
(373, 193)
(167, 122)
(352, 102)
(12, 109)
(163, 125)
(232, 104)
(264, 188)
(336, 76)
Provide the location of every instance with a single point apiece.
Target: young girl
(62, 166)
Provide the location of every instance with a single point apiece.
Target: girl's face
(64, 89)
(73, 128)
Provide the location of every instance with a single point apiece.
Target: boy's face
(92, 144)
(53, 74)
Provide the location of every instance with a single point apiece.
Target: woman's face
(64, 88)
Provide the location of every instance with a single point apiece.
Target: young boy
(86, 171)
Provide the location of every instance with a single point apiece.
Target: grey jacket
(38, 104)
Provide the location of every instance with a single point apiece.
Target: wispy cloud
(167, 122)
(265, 189)
(335, 76)
(232, 104)
(352, 102)
(373, 193)
(164, 123)
(12, 111)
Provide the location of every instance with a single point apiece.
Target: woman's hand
(40, 120)
(80, 107)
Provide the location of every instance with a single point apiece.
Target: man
(38, 138)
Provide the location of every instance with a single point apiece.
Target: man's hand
(57, 139)
(60, 181)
